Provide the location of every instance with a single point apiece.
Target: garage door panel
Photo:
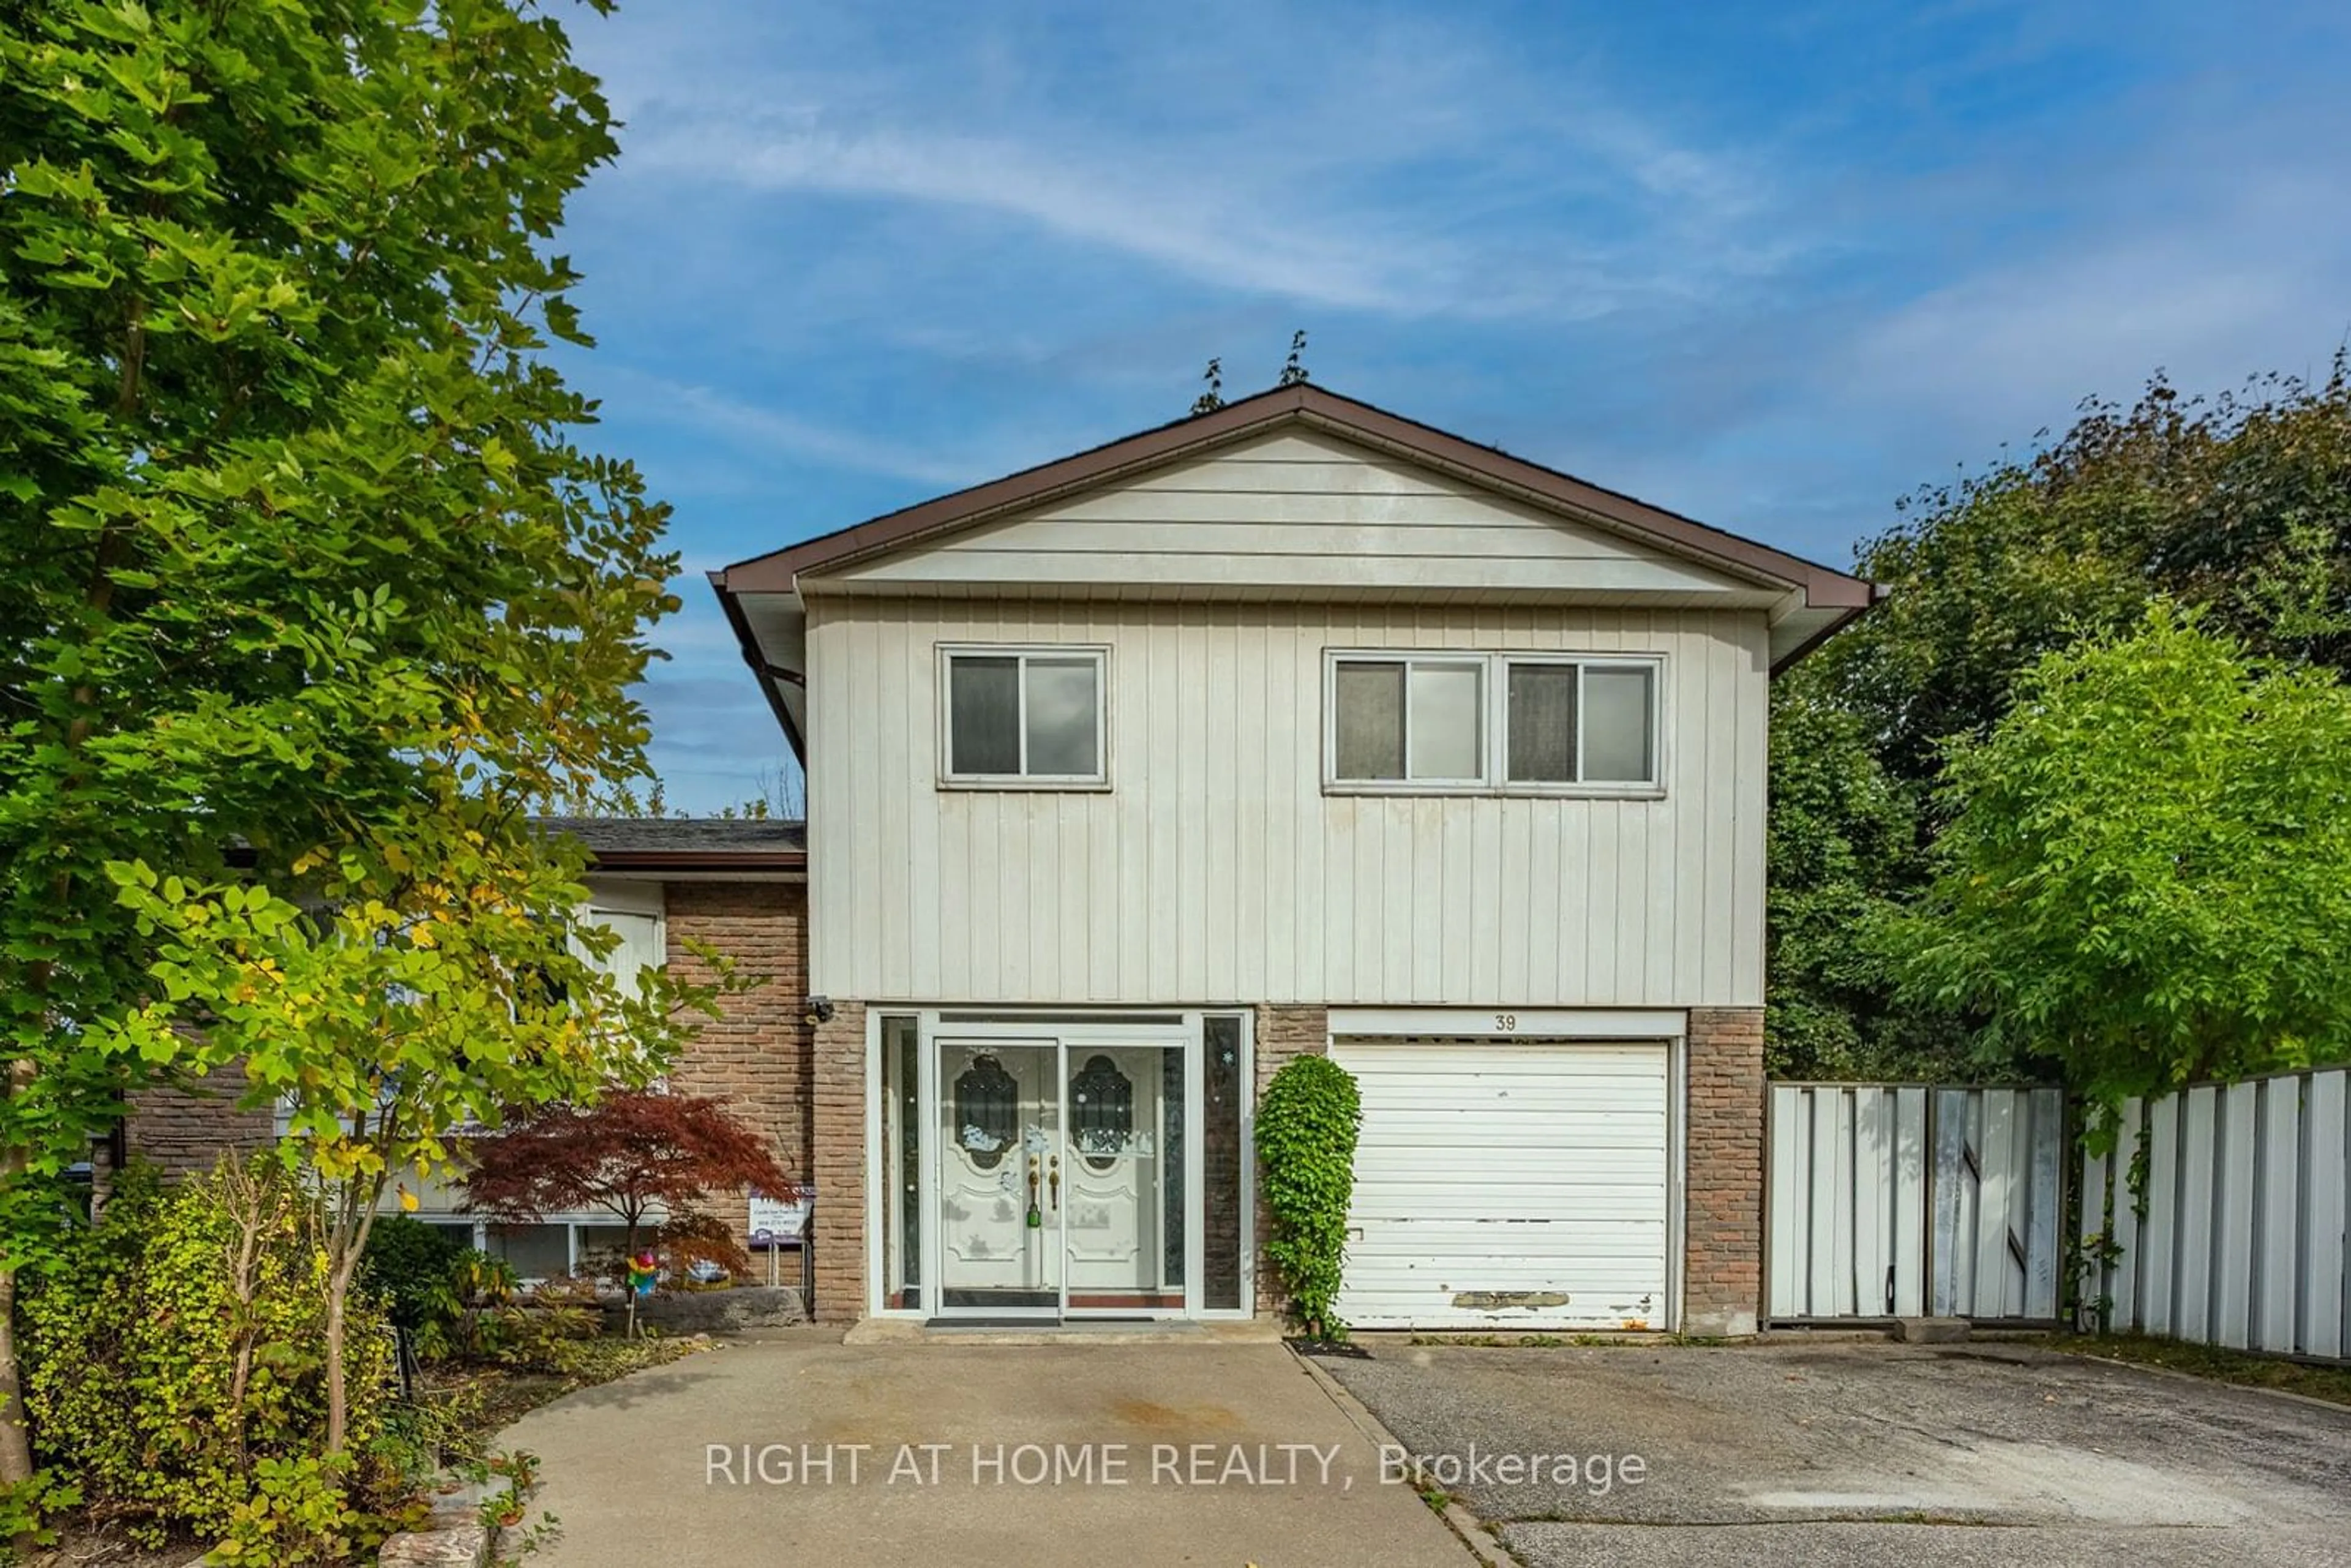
(1401, 1194)
(1571, 1093)
(1532, 1140)
(1636, 1204)
(1536, 1122)
(1635, 1246)
(1522, 1182)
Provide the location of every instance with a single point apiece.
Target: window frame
(1494, 723)
(1021, 652)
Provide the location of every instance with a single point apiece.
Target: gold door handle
(1054, 1179)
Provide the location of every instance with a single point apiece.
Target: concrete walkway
(1079, 1454)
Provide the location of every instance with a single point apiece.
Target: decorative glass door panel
(1001, 1175)
(1123, 1217)
(1055, 1175)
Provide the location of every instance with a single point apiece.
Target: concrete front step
(909, 1331)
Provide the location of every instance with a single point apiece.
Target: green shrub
(174, 1348)
(1306, 1127)
(414, 1266)
(25, 1509)
(300, 1511)
(539, 1339)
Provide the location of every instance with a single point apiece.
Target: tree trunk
(346, 1245)
(338, 1400)
(15, 1440)
(628, 1276)
(16, 1437)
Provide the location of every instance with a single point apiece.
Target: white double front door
(1060, 1174)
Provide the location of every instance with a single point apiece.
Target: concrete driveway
(1076, 1453)
(1992, 1455)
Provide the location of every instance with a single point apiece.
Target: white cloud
(1211, 230)
(2231, 276)
(1378, 163)
(771, 433)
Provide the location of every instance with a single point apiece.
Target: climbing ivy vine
(1306, 1127)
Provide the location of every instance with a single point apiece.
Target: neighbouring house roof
(1816, 599)
(688, 843)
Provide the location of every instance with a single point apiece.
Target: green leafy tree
(2237, 506)
(427, 999)
(2148, 870)
(301, 551)
(1842, 841)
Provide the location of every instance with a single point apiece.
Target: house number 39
(1505, 1023)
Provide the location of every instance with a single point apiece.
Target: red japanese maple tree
(631, 1152)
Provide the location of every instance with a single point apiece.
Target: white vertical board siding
(1214, 868)
(2233, 1217)
(2323, 1328)
(2159, 1228)
(1787, 1133)
(2123, 1212)
(2198, 1167)
(2276, 1239)
(1908, 1201)
(1894, 1199)
(1298, 510)
(2238, 1239)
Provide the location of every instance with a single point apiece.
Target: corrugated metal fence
(1904, 1200)
(2241, 1240)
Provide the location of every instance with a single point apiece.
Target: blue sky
(1771, 266)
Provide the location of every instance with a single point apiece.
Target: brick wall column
(755, 1055)
(187, 1128)
(1282, 1033)
(1722, 1272)
(838, 1093)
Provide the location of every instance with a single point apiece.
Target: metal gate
(1908, 1200)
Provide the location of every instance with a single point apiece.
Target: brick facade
(185, 1130)
(1722, 1276)
(757, 1056)
(837, 1089)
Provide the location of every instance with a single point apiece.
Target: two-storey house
(1292, 726)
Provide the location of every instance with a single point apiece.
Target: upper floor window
(1536, 723)
(1026, 715)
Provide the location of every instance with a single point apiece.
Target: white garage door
(1508, 1185)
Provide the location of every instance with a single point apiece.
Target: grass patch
(2329, 1383)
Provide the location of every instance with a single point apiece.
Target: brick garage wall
(757, 1056)
(185, 1130)
(837, 1084)
(1281, 1033)
(1723, 1274)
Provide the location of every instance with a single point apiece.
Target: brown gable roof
(1306, 404)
